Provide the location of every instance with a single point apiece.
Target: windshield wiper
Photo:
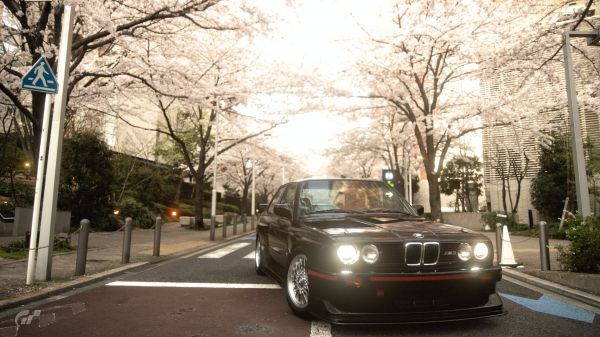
(385, 210)
(337, 210)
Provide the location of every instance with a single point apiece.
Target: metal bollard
(157, 231)
(235, 222)
(530, 215)
(499, 242)
(225, 220)
(127, 241)
(82, 245)
(544, 249)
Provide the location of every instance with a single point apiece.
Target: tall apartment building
(513, 150)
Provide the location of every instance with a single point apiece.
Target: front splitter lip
(331, 314)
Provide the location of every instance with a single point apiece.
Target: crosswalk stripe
(193, 285)
(219, 253)
(249, 256)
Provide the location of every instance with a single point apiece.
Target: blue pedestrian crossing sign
(40, 78)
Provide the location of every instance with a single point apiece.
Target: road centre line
(219, 253)
(193, 285)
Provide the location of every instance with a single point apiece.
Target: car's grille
(421, 253)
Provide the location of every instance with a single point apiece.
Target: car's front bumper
(405, 298)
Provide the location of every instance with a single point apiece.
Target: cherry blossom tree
(428, 67)
(103, 33)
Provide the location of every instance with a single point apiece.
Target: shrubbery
(141, 215)
(492, 218)
(583, 254)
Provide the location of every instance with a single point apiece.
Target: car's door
(279, 228)
(266, 220)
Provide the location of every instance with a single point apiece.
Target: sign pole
(39, 185)
(44, 263)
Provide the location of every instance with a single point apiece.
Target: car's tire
(259, 257)
(297, 288)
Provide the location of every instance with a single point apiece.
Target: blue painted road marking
(40, 78)
(554, 307)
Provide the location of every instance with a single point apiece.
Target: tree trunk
(199, 202)
(244, 202)
(504, 196)
(435, 201)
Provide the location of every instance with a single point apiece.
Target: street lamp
(213, 205)
(581, 186)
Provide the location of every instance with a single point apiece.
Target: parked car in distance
(354, 251)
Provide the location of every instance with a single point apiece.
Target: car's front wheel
(258, 257)
(297, 287)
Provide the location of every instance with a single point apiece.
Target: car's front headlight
(464, 251)
(348, 254)
(480, 251)
(370, 253)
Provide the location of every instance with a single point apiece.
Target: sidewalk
(527, 252)
(104, 256)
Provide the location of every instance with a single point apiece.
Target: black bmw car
(354, 251)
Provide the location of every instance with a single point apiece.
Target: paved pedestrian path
(104, 253)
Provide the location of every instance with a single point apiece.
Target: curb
(575, 294)
(67, 286)
(93, 278)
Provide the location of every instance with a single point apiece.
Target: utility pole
(50, 195)
(581, 185)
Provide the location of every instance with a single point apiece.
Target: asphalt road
(219, 294)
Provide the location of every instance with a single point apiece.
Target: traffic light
(391, 178)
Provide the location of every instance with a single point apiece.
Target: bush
(141, 215)
(85, 179)
(492, 218)
(583, 254)
(7, 209)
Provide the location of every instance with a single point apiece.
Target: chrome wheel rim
(257, 253)
(297, 282)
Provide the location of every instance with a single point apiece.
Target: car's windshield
(350, 197)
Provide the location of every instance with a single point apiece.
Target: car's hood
(389, 228)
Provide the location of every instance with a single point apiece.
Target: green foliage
(142, 216)
(553, 182)
(147, 182)
(7, 209)
(22, 191)
(17, 250)
(492, 218)
(461, 177)
(86, 177)
(583, 254)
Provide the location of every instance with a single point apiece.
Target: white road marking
(250, 255)
(193, 285)
(219, 253)
(320, 329)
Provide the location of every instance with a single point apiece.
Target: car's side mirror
(262, 207)
(283, 211)
(419, 209)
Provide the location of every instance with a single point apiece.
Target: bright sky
(319, 36)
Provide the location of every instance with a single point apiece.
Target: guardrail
(6, 219)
